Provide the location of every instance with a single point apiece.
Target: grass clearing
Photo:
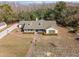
(18, 44)
(15, 44)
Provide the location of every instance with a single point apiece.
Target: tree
(6, 12)
(59, 8)
(59, 12)
(49, 15)
(66, 16)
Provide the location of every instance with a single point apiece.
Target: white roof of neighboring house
(2, 23)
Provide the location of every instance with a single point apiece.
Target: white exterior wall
(20, 26)
(47, 31)
(1, 27)
(56, 31)
(28, 31)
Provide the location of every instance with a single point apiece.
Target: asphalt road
(8, 30)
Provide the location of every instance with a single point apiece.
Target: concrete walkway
(8, 30)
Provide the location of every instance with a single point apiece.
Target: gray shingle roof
(40, 24)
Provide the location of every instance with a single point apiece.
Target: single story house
(3, 25)
(40, 26)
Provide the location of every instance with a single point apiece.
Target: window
(51, 31)
(40, 30)
(29, 29)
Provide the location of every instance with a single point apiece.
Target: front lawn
(15, 44)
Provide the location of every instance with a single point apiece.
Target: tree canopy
(61, 13)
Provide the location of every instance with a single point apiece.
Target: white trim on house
(28, 31)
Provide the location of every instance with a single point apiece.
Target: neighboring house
(40, 26)
(3, 25)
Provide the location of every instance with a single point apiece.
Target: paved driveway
(8, 30)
